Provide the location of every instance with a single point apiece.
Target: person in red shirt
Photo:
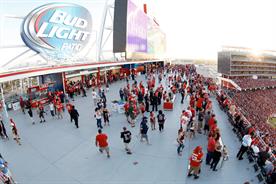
(69, 108)
(22, 104)
(210, 150)
(59, 107)
(195, 162)
(192, 101)
(101, 142)
(211, 121)
(199, 104)
(142, 108)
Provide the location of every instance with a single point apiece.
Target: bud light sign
(58, 30)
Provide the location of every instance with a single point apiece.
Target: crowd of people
(142, 102)
(257, 106)
(5, 173)
(258, 138)
(250, 83)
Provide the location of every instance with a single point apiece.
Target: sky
(197, 29)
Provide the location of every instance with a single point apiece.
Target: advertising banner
(36, 34)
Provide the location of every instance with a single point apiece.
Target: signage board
(57, 30)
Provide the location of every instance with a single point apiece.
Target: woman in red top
(195, 162)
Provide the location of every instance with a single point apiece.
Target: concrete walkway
(57, 152)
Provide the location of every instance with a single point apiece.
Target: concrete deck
(57, 152)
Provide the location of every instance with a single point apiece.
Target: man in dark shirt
(75, 116)
(126, 136)
(154, 103)
(144, 130)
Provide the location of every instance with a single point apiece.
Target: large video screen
(136, 29)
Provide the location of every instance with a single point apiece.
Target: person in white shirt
(94, 96)
(246, 143)
(52, 109)
(98, 116)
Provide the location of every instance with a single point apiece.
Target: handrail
(261, 143)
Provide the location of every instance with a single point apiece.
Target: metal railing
(262, 145)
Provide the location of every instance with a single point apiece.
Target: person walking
(207, 117)
(15, 132)
(195, 162)
(83, 91)
(75, 116)
(22, 104)
(210, 150)
(182, 92)
(69, 109)
(52, 109)
(154, 103)
(106, 115)
(41, 113)
(200, 121)
(216, 158)
(246, 143)
(146, 98)
(144, 130)
(3, 132)
(161, 120)
(121, 93)
(59, 107)
(30, 112)
(98, 116)
(126, 136)
(180, 141)
(152, 120)
(101, 142)
(94, 97)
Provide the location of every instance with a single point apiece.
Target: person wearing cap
(126, 136)
(195, 162)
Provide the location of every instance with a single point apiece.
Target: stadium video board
(136, 29)
(135, 33)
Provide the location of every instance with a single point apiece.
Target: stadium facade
(236, 62)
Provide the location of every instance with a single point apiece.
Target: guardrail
(260, 143)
